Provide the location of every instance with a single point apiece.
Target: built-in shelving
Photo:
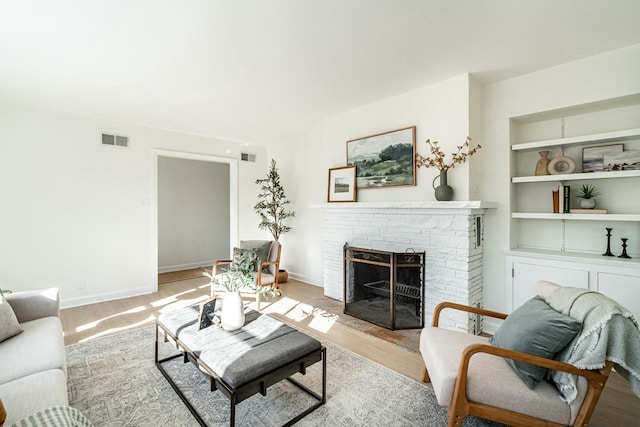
(575, 176)
(570, 216)
(620, 135)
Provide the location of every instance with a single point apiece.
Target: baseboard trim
(301, 278)
(490, 325)
(180, 267)
(103, 297)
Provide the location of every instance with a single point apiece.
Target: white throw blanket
(609, 332)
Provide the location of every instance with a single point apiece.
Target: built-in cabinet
(567, 248)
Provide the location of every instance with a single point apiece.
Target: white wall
(610, 75)
(79, 215)
(193, 213)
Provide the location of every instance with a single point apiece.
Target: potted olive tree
(272, 208)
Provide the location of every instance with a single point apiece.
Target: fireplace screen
(385, 288)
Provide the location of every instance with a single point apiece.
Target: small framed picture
(207, 313)
(593, 157)
(342, 184)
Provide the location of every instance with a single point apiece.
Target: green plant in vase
(587, 195)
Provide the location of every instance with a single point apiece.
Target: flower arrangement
(438, 161)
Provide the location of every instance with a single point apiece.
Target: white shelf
(569, 216)
(575, 176)
(620, 135)
(575, 256)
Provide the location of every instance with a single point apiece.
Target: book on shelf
(556, 201)
(588, 211)
(563, 195)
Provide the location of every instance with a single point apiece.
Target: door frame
(233, 199)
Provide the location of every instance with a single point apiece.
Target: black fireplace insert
(385, 288)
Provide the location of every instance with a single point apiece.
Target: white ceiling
(262, 70)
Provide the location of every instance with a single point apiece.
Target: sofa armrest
(31, 305)
(460, 307)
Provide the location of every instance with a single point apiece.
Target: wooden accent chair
(266, 276)
(471, 377)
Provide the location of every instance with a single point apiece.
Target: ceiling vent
(248, 157)
(115, 140)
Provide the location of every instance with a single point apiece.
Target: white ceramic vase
(587, 203)
(232, 311)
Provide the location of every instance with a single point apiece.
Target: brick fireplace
(450, 233)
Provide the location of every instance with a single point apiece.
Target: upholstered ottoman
(244, 362)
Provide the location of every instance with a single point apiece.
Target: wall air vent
(115, 140)
(248, 157)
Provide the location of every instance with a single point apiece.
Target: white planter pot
(232, 311)
(587, 203)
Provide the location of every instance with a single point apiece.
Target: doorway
(181, 229)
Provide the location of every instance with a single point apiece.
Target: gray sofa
(34, 373)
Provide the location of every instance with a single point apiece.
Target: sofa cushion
(442, 349)
(9, 326)
(32, 393)
(535, 328)
(39, 348)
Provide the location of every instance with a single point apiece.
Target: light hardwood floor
(617, 407)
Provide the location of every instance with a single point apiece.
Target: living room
(83, 217)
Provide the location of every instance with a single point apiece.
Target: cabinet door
(625, 289)
(526, 274)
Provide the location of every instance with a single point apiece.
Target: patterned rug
(114, 382)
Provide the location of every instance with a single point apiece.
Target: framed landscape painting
(342, 184)
(384, 160)
(593, 157)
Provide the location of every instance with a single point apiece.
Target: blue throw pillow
(535, 328)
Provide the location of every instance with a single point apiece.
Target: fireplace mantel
(450, 233)
(430, 205)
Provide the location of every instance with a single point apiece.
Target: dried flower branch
(437, 161)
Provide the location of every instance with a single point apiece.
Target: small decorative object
(543, 164)
(608, 252)
(587, 194)
(444, 192)
(561, 165)
(385, 159)
(593, 157)
(624, 248)
(342, 184)
(437, 161)
(207, 313)
(232, 311)
(622, 161)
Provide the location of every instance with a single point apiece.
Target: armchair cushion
(9, 326)
(535, 328)
(261, 248)
(244, 260)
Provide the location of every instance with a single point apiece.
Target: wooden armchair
(265, 276)
(470, 377)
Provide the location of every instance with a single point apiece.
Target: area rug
(114, 382)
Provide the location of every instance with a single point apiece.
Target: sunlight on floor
(317, 319)
(95, 323)
(146, 321)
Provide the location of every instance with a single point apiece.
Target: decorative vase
(232, 311)
(444, 192)
(543, 164)
(283, 276)
(587, 203)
